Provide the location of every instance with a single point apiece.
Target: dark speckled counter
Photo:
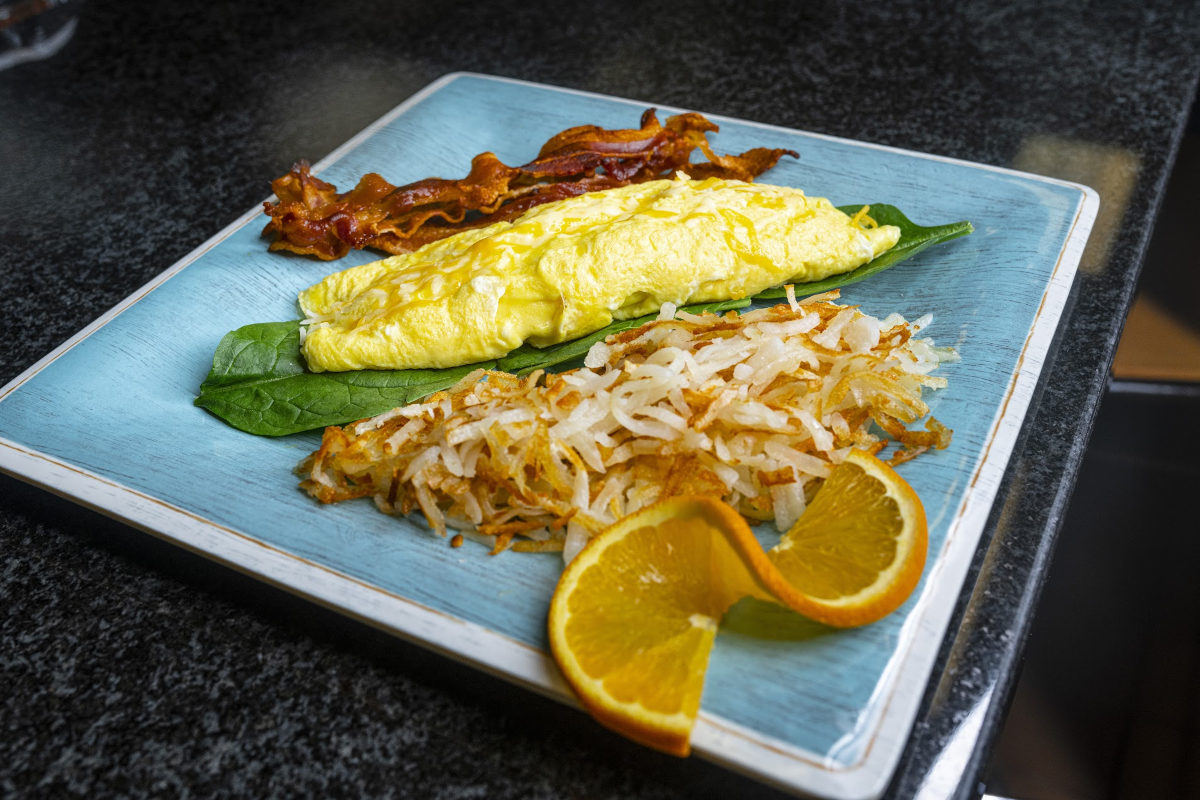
(133, 668)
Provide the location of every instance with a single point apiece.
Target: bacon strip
(312, 218)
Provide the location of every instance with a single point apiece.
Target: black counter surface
(136, 669)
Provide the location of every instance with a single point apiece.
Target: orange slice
(858, 550)
(635, 614)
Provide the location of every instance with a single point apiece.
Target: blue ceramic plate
(107, 420)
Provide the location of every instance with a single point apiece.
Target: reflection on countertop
(1107, 701)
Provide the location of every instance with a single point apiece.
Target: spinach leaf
(913, 239)
(526, 358)
(259, 382)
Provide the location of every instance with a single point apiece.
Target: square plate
(107, 420)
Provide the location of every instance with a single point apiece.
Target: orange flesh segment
(635, 614)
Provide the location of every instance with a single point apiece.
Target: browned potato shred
(752, 408)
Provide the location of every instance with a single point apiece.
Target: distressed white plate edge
(714, 738)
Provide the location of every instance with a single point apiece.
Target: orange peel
(634, 616)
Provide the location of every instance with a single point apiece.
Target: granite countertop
(135, 668)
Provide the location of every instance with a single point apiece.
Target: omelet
(565, 269)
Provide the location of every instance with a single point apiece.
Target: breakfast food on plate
(643, 466)
(480, 280)
(259, 382)
(854, 556)
(568, 268)
(311, 217)
(754, 409)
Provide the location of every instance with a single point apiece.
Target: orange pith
(635, 614)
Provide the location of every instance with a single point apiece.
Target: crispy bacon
(311, 217)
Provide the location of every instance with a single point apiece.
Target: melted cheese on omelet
(568, 268)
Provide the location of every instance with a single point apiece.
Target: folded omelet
(568, 268)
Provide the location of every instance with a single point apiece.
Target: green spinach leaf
(259, 383)
(913, 239)
(527, 358)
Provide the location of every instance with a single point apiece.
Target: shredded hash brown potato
(754, 409)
